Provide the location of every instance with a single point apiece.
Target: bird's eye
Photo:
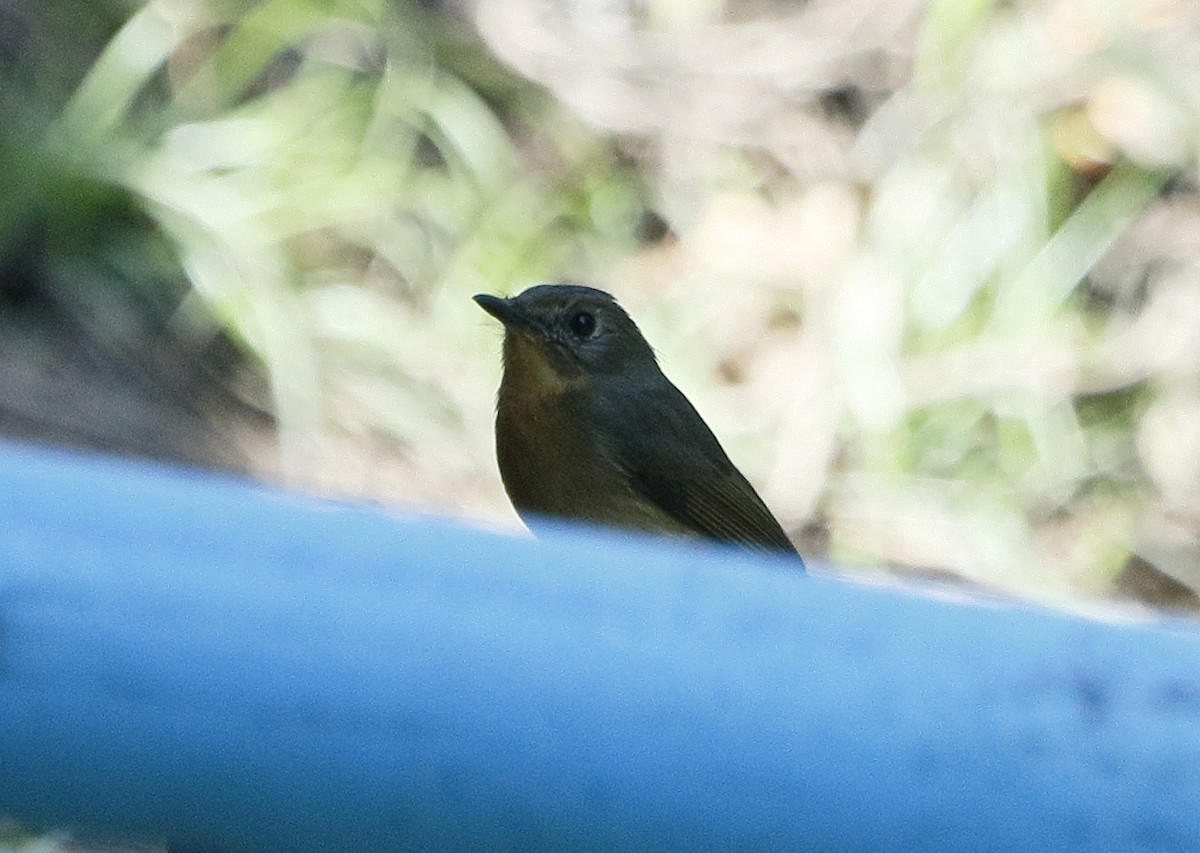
(583, 323)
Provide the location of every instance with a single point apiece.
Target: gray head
(577, 331)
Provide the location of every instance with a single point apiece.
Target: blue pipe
(216, 665)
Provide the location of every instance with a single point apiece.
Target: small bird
(589, 428)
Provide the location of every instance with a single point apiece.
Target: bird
(589, 428)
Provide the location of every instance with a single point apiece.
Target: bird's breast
(544, 452)
(552, 465)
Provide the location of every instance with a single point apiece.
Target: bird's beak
(504, 310)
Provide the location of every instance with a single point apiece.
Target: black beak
(494, 305)
(503, 310)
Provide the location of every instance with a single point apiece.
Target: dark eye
(583, 323)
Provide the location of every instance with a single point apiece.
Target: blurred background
(931, 270)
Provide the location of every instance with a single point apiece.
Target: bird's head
(561, 335)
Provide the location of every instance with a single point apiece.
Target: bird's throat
(529, 373)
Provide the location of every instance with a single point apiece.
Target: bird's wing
(671, 457)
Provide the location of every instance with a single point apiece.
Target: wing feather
(672, 458)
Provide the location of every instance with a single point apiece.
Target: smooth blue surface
(193, 659)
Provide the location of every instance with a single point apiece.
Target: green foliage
(326, 172)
